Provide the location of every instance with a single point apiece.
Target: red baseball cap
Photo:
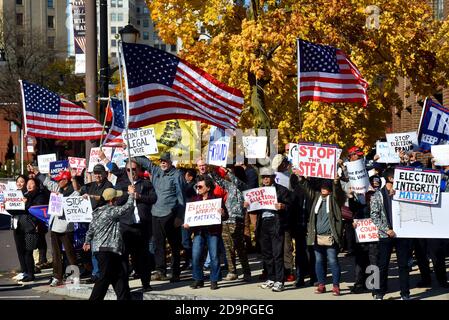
(355, 150)
(63, 175)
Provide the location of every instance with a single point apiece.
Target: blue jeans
(221, 253)
(329, 254)
(212, 244)
(95, 267)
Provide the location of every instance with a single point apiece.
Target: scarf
(318, 204)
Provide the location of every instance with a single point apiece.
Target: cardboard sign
(413, 220)
(94, 157)
(366, 231)
(77, 209)
(2, 204)
(255, 147)
(293, 154)
(407, 141)
(358, 176)
(119, 157)
(261, 198)
(386, 153)
(55, 207)
(77, 163)
(203, 213)
(58, 166)
(441, 155)
(316, 160)
(43, 162)
(141, 142)
(433, 127)
(13, 200)
(218, 147)
(417, 185)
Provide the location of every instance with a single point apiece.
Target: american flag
(326, 74)
(160, 86)
(114, 136)
(47, 115)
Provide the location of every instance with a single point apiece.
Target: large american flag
(160, 86)
(326, 74)
(47, 115)
(114, 137)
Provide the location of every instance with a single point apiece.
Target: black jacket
(299, 212)
(95, 189)
(27, 222)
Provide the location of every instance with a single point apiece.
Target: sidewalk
(239, 290)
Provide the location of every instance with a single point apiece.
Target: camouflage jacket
(104, 229)
(234, 200)
(378, 214)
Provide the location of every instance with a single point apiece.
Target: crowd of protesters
(312, 223)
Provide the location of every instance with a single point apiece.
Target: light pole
(129, 34)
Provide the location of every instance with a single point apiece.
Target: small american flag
(160, 86)
(114, 136)
(326, 74)
(47, 115)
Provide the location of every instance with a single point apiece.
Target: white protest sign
(119, 157)
(112, 178)
(142, 142)
(3, 187)
(11, 185)
(317, 160)
(2, 205)
(413, 220)
(366, 231)
(43, 162)
(55, 207)
(282, 179)
(417, 185)
(77, 209)
(255, 147)
(203, 213)
(441, 154)
(261, 198)
(14, 200)
(293, 155)
(358, 176)
(218, 147)
(77, 163)
(94, 157)
(386, 153)
(407, 141)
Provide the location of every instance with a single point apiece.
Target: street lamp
(129, 34)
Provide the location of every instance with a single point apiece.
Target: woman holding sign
(207, 233)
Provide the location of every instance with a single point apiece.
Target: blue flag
(40, 212)
(434, 126)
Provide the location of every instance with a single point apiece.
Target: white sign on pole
(255, 147)
(358, 176)
(14, 200)
(413, 220)
(441, 154)
(203, 213)
(119, 157)
(261, 198)
(77, 163)
(316, 160)
(366, 231)
(112, 178)
(43, 162)
(77, 209)
(417, 185)
(142, 142)
(94, 157)
(293, 155)
(218, 147)
(407, 141)
(282, 179)
(55, 207)
(386, 153)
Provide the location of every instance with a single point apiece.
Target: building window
(51, 22)
(119, 3)
(120, 17)
(120, 29)
(438, 9)
(113, 3)
(51, 42)
(113, 43)
(173, 48)
(113, 54)
(19, 19)
(138, 9)
(138, 22)
(113, 17)
(50, 4)
(155, 36)
(146, 23)
(19, 2)
(19, 39)
(163, 47)
(113, 30)
(145, 10)
(12, 127)
(146, 36)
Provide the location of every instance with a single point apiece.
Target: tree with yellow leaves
(251, 45)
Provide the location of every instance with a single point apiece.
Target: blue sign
(58, 166)
(434, 126)
(40, 212)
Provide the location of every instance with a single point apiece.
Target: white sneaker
(267, 284)
(55, 283)
(278, 287)
(19, 276)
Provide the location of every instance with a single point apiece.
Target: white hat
(266, 171)
(277, 161)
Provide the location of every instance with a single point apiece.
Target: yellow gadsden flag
(180, 137)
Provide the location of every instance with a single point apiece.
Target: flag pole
(298, 84)
(104, 125)
(125, 108)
